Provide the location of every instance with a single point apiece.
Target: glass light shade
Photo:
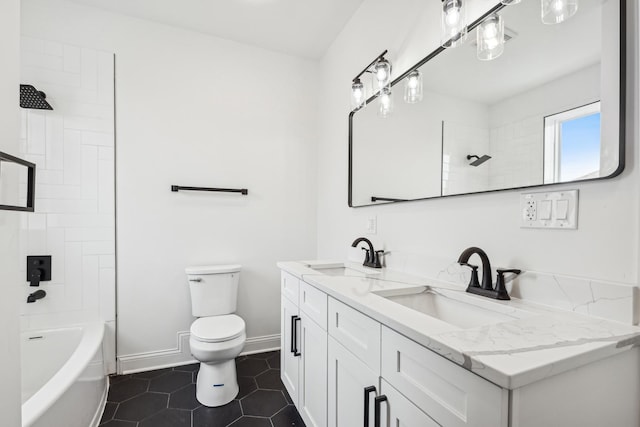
(382, 74)
(358, 95)
(413, 87)
(490, 38)
(557, 11)
(454, 23)
(510, 2)
(386, 103)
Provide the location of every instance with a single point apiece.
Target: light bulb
(454, 27)
(557, 11)
(382, 71)
(358, 96)
(413, 87)
(452, 16)
(490, 38)
(386, 103)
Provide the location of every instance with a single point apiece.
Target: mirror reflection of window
(572, 144)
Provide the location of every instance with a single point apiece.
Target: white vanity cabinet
(303, 354)
(354, 366)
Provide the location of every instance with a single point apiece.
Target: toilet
(217, 335)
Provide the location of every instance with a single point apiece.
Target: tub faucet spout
(36, 296)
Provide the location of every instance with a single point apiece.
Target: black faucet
(486, 287)
(372, 257)
(36, 296)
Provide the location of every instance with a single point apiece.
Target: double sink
(454, 307)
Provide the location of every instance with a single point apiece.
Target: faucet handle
(501, 271)
(367, 256)
(474, 282)
(501, 289)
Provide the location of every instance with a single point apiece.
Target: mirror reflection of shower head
(478, 160)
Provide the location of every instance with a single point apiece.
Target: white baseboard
(181, 355)
(261, 344)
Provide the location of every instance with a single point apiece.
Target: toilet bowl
(217, 336)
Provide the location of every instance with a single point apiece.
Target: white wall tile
(89, 177)
(98, 248)
(72, 156)
(36, 133)
(89, 234)
(56, 247)
(72, 61)
(108, 294)
(97, 138)
(54, 141)
(108, 261)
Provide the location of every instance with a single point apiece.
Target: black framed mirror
(17, 197)
(549, 110)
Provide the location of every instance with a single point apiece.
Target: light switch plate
(558, 209)
(372, 225)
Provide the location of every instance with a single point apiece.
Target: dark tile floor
(167, 398)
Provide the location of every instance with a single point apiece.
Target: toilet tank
(214, 289)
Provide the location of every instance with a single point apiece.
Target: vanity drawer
(358, 333)
(448, 393)
(289, 286)
(314, 304)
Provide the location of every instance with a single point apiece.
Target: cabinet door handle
(293, 334)
(367, 392)
(376, 413)
(296, 350)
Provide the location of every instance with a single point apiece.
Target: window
(572, 144)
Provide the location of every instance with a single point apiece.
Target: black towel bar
(176, 188)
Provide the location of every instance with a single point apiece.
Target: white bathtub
(63, 377)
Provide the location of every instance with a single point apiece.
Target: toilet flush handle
(196, 280)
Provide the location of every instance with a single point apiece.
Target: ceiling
(303, 28)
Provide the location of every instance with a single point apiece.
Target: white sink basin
(339, 269)
(452, 307)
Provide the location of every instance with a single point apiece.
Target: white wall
(431, 234)
(197, 110)
(10, 284)
(74, 220)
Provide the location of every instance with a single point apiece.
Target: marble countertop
(532, 343)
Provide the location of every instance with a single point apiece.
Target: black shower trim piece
(31, 183)
(176, 188)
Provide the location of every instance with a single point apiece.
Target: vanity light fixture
(386, 103)
(490, 38)
(557, 11)
(380, 68)
(454, 25)
(413, 87)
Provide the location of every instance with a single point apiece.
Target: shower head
(30, 97)
(478, 160)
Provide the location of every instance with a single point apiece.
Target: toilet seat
(217, 328)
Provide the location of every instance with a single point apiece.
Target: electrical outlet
(530, 211)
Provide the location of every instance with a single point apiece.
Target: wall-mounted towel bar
(177, 188)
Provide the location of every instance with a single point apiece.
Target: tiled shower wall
(74, 220)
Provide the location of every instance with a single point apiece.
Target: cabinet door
(289, 334)
(397, 410)
(347, 381)
(312, 396)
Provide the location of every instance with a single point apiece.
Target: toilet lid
(217, 328)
